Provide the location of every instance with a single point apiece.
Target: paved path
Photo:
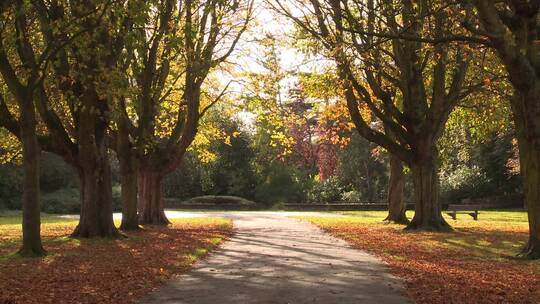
(276, 259)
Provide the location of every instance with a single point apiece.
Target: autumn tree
(328, 115)
(374, 61)
(167, 66)
(21, 74)
(334, 122)
(75, 47)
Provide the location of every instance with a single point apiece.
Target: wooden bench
(471, 210)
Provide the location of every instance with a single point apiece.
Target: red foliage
(327, 161)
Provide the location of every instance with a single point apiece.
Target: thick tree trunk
(530, 164)
(151, 209)
(427, 210)
(94, 169)
(96, 218)
(396, 184)
(527, 121)
(31, 222)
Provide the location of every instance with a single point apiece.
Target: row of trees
(412, 62)
(82, 77)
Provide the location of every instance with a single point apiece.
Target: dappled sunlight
(478, 252)
(141, 262)
(117, 117)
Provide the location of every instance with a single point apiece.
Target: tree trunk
(94, 169)
(530, 168)
(527, 121)
(96, 218)
(427, 208)
(396, 183)
(31, 223)
(128, 180)
(151, 209)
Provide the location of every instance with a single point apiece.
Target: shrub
(351, 196)
(465, 182)
(325, 192)
(11, 186)
(278, 206)
(185, 181)
(279, 186)
(117, 198)
(55, 174)
(63, 201)
(68, 201)
(219, 199)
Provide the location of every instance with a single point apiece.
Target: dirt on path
(276, 259)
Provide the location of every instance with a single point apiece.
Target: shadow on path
(275, 259)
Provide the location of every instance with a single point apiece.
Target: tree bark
(96, 218)
(528, 134)
(128, 177)
(513, 33)
(31, 223)
(128, 180)
(530, 164)
(94, 169)
(396, 184)
(427, 210)
(151, 209)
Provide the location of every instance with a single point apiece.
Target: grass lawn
(474, 264)
(101, 270)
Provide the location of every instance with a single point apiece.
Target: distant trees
(80, 79)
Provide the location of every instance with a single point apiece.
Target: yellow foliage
(10, 148)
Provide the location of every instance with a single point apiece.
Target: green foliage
(230, 173)
(58, 182)
(63, 201)
(55, 174)
(117, 197)
(352, 196)
(465, 182)
(280, 184)
(363, 169)
(67, 201)
(10, 186)
(327, 191)
(493, 157)
(185, 181)
(480, 169)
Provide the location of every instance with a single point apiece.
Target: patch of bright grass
(190, 258)
(500, 217)
(496, 235)
(221, 222)
(15, 218)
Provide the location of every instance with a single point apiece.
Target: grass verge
(474, 264)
